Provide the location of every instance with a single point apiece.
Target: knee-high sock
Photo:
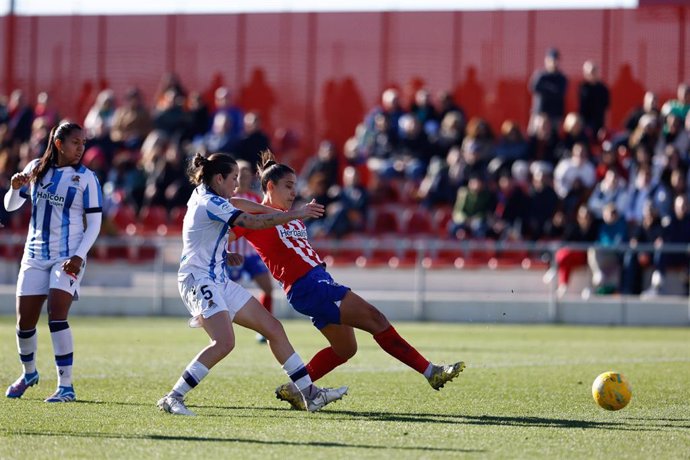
(27, 343)
(324, 362)
(295, 369)
(397, 347)
(63, 347)
(192, 375)
(267, 301)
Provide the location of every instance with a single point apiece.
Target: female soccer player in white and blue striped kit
(213, 300)
(64, 194)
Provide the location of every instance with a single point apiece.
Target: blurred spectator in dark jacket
(548, 87)
(253, 141)
(440, 186)
(648, 231)
(594, 99)
(199, 116)
(676, 231)
(542, 140)
(172, 117)
(325, 163)
(510, 212)
(132, 121)
(20, 117)
(220, 138)
(542, 216)
(347, 212)
(511, 144)
(450, 133)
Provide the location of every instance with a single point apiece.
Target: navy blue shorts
(318, 296)
(252, 266)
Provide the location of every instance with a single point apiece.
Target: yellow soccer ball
(611, 391)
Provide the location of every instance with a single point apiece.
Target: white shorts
(37, 277)
(204, 298)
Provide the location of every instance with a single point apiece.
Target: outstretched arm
(259, 221)
(251, 206)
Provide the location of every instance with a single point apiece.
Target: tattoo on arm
(259, 221)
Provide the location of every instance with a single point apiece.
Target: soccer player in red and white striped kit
(334, 309)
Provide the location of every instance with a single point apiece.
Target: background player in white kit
(213, 300)
(63, 194)
(251, 265)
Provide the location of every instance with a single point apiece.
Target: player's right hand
(19, 180)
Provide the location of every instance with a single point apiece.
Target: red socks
(323, 362)
(397, 347)
(267, 301)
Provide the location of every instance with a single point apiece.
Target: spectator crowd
(567, 176)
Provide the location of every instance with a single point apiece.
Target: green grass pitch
(526, 393)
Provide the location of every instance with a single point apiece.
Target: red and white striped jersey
(242, 246)
(284, 249)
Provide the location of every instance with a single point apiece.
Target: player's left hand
(312, 209)
(72, 266)
(234, 259)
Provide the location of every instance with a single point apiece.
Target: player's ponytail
(270, 170)
(201, 169)
(50, 156)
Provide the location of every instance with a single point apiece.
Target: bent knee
(345, 350)
(224, 347)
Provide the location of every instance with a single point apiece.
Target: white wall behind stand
(470, 295)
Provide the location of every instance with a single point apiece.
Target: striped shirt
(284, 249)
(205, 235)
(59, 202)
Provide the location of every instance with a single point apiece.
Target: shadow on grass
(534, 422)
(158, 437)
(627, 424)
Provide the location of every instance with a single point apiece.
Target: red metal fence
(317, 74)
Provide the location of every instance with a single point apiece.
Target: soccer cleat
(288, 392)
(62, 394)
(323, 397)
(442, 374)
(173, 405)
(17, 389)
(260, 338)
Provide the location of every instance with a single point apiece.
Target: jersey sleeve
(24, 190)
(221, 210)
(93, 195)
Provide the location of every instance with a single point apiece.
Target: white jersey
(59, 202)
(205, 235)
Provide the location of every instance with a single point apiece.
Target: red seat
(383, 220)
(417, 222)
(153, 220)
(441, 217)
(176, 219)
(124, 216)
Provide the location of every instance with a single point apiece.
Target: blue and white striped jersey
(205, 235)
(59, 202)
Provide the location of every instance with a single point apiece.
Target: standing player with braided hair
(334, 309)
(213, 300)
(64, 194)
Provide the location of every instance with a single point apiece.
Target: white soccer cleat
(323, 397)
(173, 405)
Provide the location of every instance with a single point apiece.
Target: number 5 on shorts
(206, 292)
